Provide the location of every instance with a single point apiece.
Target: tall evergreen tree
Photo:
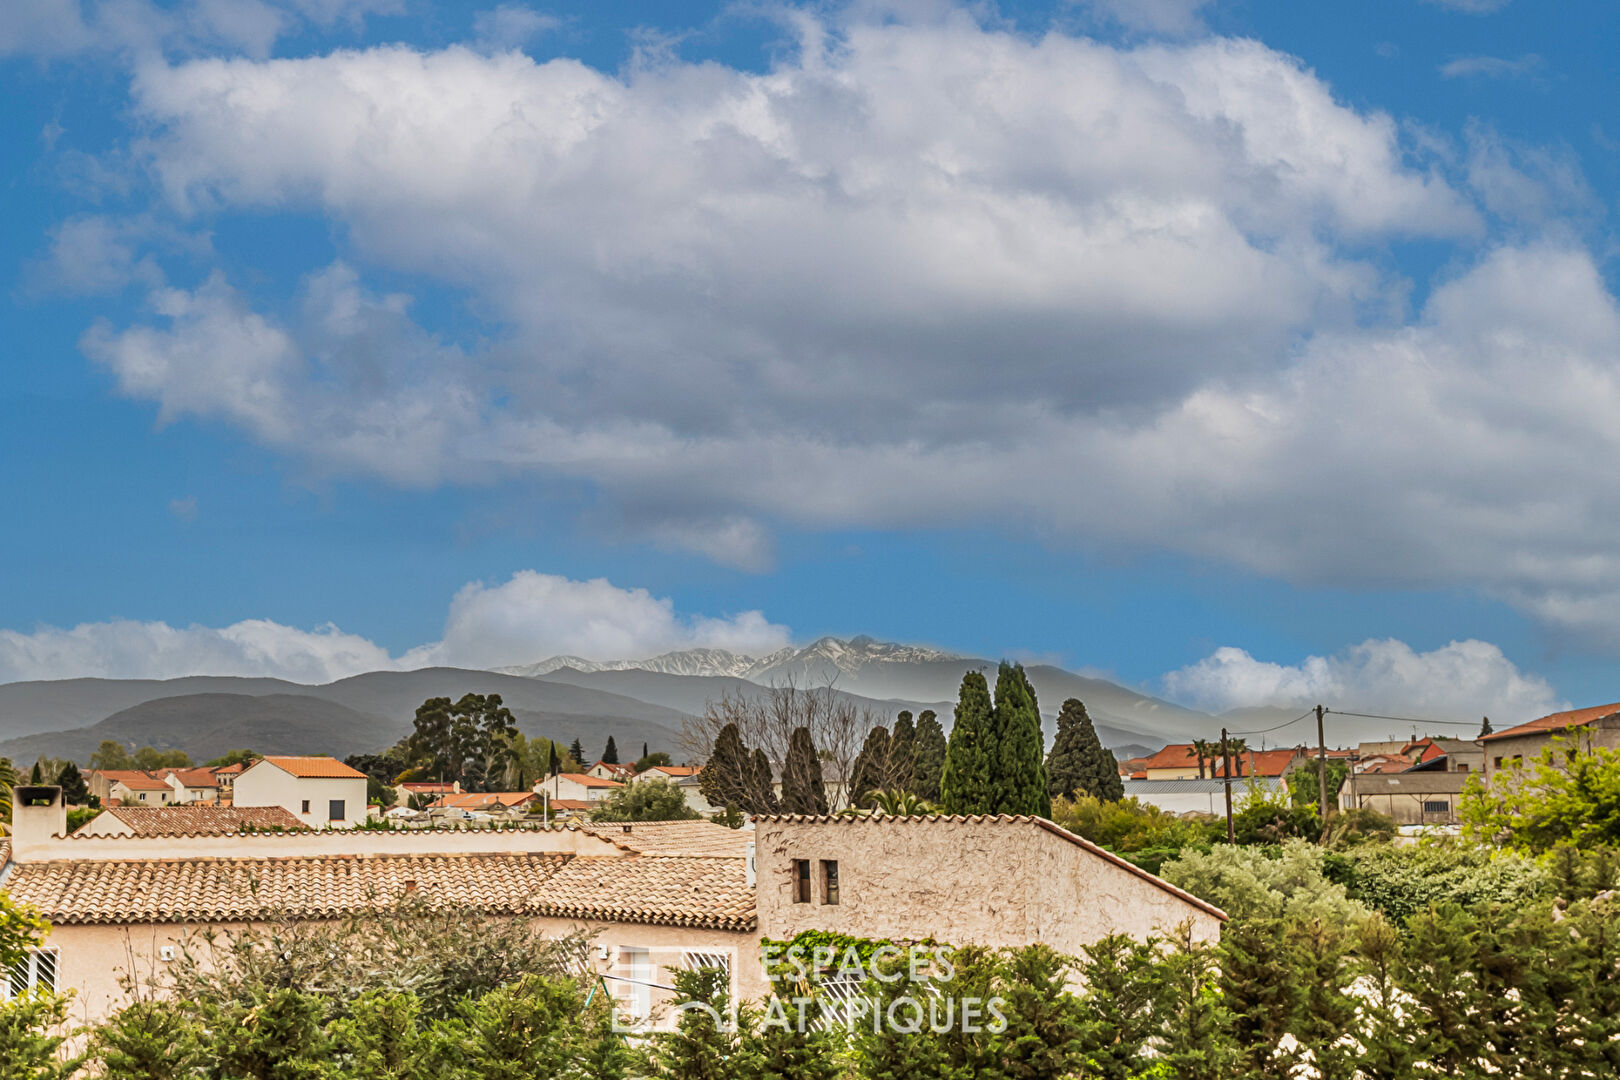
(611, 754)
(803, 791)
(75, 792)
(1078, 764)
(1485, 728)
(761, 792)
(725, 776)
(929, 759)
(964, 782)
(576, 750)
(35, 777)
(645, 753)
(903, 753)
(872, 771)
(555, 764)
(1017, 753)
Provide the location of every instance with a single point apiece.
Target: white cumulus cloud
(1461, 681)
(529, 617)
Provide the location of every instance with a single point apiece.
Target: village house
(1179, 761)
(656, 896)
(1416, 783)
(603, 770)
(578, 787)
(670, 772)
(192, 785)
(503, 803)
(428, 790)
(1580, 729)
(140, 789)
(319, 791)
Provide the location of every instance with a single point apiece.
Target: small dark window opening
(1436, 806)
(335, 812)
(306, 807)
(829, 881)
(801, 881)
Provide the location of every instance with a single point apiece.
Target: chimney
(753, 873)
(37, 815)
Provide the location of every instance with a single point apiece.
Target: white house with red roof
(578, 787)
(604, 770)
(321, 792)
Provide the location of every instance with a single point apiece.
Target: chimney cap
(35, 794)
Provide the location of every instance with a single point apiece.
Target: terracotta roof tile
(1558, 721)
(677, 770)
(663, 891)
(669, 891)
(144, 782)
(471, 800)
(201, 820)
(695, 838)
(585, 780)
(194, 778)
(321, 768)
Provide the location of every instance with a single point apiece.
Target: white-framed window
(37, 970)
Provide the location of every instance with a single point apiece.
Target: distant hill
(360, 714)
(208, 725)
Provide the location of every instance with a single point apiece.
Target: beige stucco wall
(95, 961)
(961, 882)
(1600, 733)
(268, 785)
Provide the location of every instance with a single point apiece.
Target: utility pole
(1321, 763)
(1226, 774)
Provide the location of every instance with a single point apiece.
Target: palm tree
(1235, 749)
(902, 804)
(1203, 750)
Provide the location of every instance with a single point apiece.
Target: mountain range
(563, 698)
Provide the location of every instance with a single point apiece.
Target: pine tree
(702, 1046)
(1485, 728)
(576, 750)
(803, 791)
(929, 759)
(871, 772)
(903, 753)
(75, 792)
(1078, 764)
(1018, 781)
(611, 754)
(964, 782)
(725, 776)
(1117, 973)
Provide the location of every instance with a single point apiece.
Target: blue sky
(1125, 335)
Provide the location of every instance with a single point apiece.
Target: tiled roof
(316, 768)
(202, 820)
(664, 891)
(144, 782)
(585, 780)
(428, 787)
(229, 770)
(1001, 820)
(669, 891)
(697, 838)
(1175, 756)
(118, 774)
(1557, 721)
(568, 804)
(677, 770)
(194, 778)
(1259, 763)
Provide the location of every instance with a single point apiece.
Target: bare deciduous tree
(766, 720)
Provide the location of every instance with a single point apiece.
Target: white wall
(266, 784)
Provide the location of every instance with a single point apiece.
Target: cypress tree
(75, 792)
(760, 789)
(611, 754)
(1018, 781)
(645, 753)
(554, 765)
(964, 782)
(725, 776)
(803, 791)
(929, 758)
(871, 772)
(577, 751)
(1485, 728)
(903, 754)
(35, 777)
(1078, 764)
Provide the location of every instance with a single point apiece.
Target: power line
(1402, 719)
(1279, 727)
